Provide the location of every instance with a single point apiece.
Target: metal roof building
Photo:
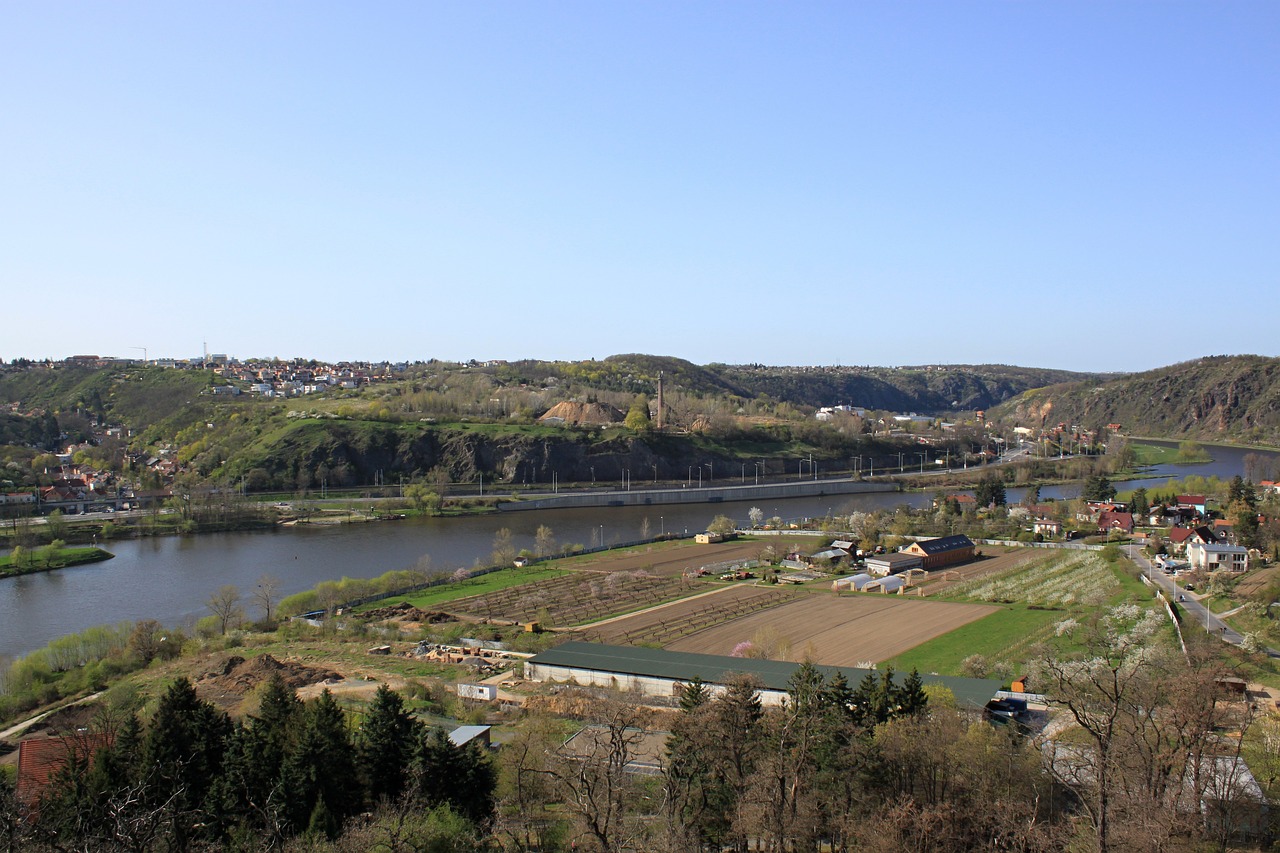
(657, 672)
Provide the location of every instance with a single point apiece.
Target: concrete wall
(707, 494)
(643, 684)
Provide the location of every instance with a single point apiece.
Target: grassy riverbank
(26, 561)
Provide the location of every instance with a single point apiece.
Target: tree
(756, 516)
(225, 604)
(417, 495)
(265, 595)
(990, 491)
(1139, 503)
(319, 772)
(385, 745)
(1116, 690)
(504, 551)
(461, 777)
(182, 755)
(1098, 488)
(637, 419)
(544, 541)
(722, 525)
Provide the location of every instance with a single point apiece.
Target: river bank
(46, 559)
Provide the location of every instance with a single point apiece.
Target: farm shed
(657, 672)
(855, 582)
(892, 583)
(891, 564)
(942, 551)
(830, 554)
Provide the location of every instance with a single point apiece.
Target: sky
(1076, 185)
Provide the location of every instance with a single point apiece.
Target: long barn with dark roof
(657, 672)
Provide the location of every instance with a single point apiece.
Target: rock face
(583, 414)
(1211, 398)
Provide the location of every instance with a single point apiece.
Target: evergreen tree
(387, 740)
(182, 755)
(460, 776)
(911, 696)
(1098, 488)
(990, 491)
(321, 765)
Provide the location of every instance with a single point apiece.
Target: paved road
(1196, 612)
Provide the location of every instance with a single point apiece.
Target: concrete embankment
(707, 494)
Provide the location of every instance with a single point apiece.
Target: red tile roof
(40, 759)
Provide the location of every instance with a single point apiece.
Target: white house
(1213, 557)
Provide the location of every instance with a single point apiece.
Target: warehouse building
(942, 551)
(657, 672)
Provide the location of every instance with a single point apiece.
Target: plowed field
(841, 631)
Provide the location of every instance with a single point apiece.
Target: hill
(1217, 398)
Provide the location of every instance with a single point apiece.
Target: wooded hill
(1216, 398)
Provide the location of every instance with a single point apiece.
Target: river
(170, 578)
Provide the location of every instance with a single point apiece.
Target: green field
(491, 582)
(1014, 627)
(1033, 599)
(44, 557)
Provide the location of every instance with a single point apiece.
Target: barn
(942, 551)
(892, 564)
(658, 672)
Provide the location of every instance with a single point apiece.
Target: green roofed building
(656, 672)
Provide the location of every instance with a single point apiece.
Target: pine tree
(321, 764)
(911, 696)
(387, 740)
(182, 754)
(460, 776)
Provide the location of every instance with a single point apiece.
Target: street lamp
(922, 456)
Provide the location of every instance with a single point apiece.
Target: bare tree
(225, 604)
(595, 781)
(265, 595)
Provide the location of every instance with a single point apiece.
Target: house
(1047, 527)
(1199, 503)
(707, 538)
(942, 551)
(1215, 557)
(1118, 521)
(40, 759)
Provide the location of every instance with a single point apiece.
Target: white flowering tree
(1145, 715)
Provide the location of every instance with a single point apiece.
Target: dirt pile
(406, 612)
(240, 676)
(579, 414)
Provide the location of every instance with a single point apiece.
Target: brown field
(685, 556)
(839, 630)
(937, 582)
(669, 622)
(1256, 581)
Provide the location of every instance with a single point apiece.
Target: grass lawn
(474, 586)
(1154, 454)
(992, 636)
(41, 558)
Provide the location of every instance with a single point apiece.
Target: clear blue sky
(1088, 185)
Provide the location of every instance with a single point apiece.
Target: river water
(170, 578)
